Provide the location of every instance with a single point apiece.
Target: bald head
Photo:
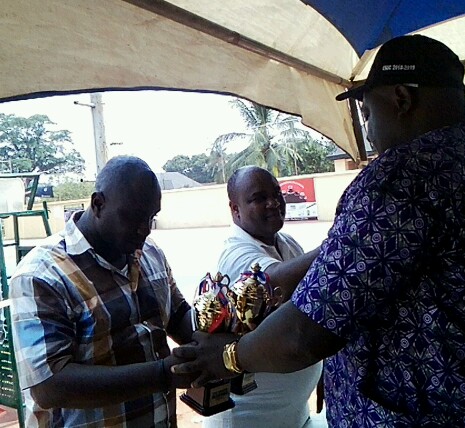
(240, 176)
(126, 199)
(123, 175)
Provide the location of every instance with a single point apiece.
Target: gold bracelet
(230, 358)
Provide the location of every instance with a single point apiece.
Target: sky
(154, 125)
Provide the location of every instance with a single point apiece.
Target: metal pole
(101, 153)
(357, 126)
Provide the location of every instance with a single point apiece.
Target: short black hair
(231, 186)
(121, 172)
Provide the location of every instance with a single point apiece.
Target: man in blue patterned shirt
(91, 311)
(385, 298)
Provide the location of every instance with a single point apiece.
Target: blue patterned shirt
(390, 280)
(70, 305)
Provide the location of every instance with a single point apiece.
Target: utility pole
(101, 152)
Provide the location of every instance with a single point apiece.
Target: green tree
(180, 163)
(217, 160)
(195, 167)
(32, 146)
(72, 190)
(312, 157)
(271, 136)
(199, 169)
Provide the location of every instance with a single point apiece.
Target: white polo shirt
(281, 400)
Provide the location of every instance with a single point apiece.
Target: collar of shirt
(271, 249)
(76, 243)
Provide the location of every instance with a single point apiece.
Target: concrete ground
(187, 418)
(192, 253)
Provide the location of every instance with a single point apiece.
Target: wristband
(230, 359)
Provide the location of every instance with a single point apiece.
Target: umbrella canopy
(367, 24)
(285, 54)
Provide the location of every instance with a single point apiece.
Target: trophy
(253, 299)
(213, 313)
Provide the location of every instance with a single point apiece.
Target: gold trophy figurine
(253, 299)
(213, 313)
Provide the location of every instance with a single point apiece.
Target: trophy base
(210, 399)
(243, 384)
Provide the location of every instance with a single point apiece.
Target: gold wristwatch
(230, 358)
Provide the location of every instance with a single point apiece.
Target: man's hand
(178, 380)
(205, 356)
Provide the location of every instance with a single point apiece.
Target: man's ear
(97, 201)
(403, 99)
(234, 209)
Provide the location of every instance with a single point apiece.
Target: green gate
(10, 392)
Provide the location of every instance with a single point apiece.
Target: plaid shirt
(71, 305)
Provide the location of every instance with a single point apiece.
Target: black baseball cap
(411, 60)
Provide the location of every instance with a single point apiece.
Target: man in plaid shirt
(92, 309)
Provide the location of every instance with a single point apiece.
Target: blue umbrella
(367, 23)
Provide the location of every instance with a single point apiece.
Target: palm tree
(292, 140)
(217, 161)
(272, 139)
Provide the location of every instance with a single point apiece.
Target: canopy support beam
(356, 124)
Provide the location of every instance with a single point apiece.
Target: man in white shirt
(258, 209)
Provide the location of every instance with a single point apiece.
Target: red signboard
(298, 190)
(299, 195)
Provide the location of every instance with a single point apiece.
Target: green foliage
(179, 163)
(218, 161)
(259, 121)
(31, 146)
(312, 158)
(195, 167)
(71, 190)
(275, 142)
